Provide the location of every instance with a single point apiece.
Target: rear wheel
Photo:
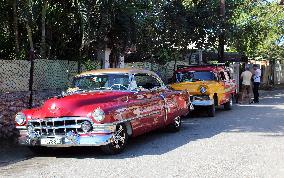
(229, 104)
(211, 110)
(119, 141)
(175, 125)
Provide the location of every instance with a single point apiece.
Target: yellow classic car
(209, 86)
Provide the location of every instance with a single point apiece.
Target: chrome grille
(57, 126)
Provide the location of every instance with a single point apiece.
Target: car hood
(78, 104)
(194, 87)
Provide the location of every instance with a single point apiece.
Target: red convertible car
(103, 108)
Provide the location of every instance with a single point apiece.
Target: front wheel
(211, 110)
(228, 105)
(175, 125)
(119, 141)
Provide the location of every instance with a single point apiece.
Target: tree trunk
(82, 45)
(222, 35)
(29, 19)
(82, 32)
(15, 25)
(43, 34)
(114, 56)
(31, 58)
(30, 36)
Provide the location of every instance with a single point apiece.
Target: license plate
(51, 141)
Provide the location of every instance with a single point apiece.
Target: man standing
(246, 84)
(256, 82)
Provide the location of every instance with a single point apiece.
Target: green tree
(257, 28)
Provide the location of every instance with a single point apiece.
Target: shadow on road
(11, 153)
(265, 119)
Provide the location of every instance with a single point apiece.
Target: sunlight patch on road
(280, 106)
(276, 135)
(271, 97)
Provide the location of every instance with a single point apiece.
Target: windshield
(102, 82)
(193, 76)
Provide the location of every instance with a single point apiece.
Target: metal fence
(47, 74)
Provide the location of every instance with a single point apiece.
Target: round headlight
(98, 114)
(20, 118)
(86, 126)
(203, 90)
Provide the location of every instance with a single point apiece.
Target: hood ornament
(53, 108)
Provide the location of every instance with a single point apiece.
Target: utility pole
(222, 32)
(31, 81)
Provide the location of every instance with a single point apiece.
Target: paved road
(245, 142)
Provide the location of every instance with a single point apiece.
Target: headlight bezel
(98, 114)
(20, 118)
(86, 126)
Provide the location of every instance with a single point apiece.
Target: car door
(152, 111)
(227, 85)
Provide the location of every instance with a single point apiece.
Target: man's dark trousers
(255, 91)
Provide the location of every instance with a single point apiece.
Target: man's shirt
(257, 75)
(246, 76)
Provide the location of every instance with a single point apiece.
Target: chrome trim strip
(60, 119)
(137, 117)
(21, 127)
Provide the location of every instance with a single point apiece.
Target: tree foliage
(257, 29)
(159, 30)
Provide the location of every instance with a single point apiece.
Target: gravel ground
(247, 141)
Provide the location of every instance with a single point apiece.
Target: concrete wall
(57, 74)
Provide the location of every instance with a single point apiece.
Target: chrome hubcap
(177, 122)
(119, 137)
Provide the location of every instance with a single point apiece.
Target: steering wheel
(118, 87)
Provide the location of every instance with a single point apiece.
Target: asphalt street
(247, 141)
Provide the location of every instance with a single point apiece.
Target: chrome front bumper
(203, 102)
(68, 140)
(64, 132)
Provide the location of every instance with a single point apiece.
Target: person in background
(246, 84)
(256, 82)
